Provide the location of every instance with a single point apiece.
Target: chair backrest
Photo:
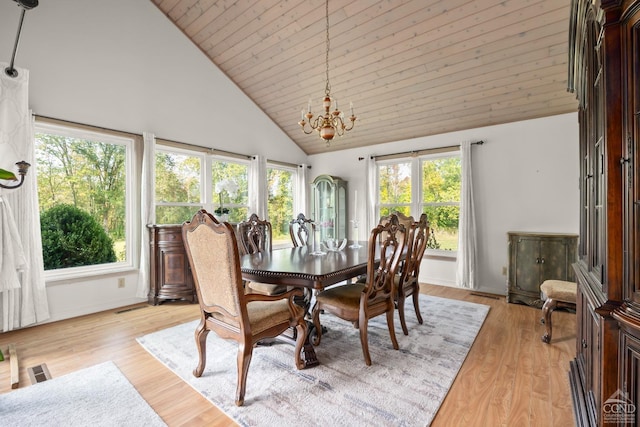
(402, 219)
(212, 251)
(301, 230)
(380, 279)
(416, 245)
(254, 235)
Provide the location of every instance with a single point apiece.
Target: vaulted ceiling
(411, 67)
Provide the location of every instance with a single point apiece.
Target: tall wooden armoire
(604, 72)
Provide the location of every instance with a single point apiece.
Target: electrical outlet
(121, 282)
(504, 271)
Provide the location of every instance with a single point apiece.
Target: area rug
(97, 396)
(400, 388)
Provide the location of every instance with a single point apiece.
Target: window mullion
(207, 184)
(416, 187)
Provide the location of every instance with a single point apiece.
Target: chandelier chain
(327, 88)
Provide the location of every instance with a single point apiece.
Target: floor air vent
(39, 373)
(130, 309)
(485, 295)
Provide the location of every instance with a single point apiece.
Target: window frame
(132, 228)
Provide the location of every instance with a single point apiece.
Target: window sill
(441, 255)
(66, 275)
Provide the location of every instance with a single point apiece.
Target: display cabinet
(604, 65)
(170, 274)
(329, 207)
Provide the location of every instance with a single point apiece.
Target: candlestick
(355, 204)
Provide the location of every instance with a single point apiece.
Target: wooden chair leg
(403, 322)
(416, 303)
(245, 352)
(391, 327)
(364, 340)
(201, 342)
(548, 307)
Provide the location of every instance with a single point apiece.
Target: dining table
(308, 268)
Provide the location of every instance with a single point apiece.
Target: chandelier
(331, 123)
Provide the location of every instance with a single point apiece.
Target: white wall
(525, 179)
(120, 64)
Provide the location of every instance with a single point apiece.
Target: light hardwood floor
(510, 377)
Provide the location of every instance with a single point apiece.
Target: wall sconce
(23, 167)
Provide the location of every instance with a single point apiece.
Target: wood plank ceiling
(411, 67)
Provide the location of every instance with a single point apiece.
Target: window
(85, 196)
(178, 186)
(187, 181)
(441, 184)
(395, 188)
(280, 187)
(429, 184)
(232, 177)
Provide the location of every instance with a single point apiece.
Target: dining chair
(360, 302)
(407, 280)
(402, 219)
(225, 308)
(301, 230)
(255, 236)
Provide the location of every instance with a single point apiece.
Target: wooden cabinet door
(631, 160)
(527, 264)
(555, 259)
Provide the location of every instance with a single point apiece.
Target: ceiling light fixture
(24, 5)
(330, 123)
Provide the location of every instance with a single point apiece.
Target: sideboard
(170, 274)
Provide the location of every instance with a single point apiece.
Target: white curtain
(302, 190)
(23, 302)
(147, 210)
(372, 193)
(258, 186)
(466, 262)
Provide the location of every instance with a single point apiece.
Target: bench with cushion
(560, 294)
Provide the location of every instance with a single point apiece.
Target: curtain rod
(420, 152)
(93, 128)
(209, 150)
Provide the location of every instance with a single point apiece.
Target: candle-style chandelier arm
(23, 167)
